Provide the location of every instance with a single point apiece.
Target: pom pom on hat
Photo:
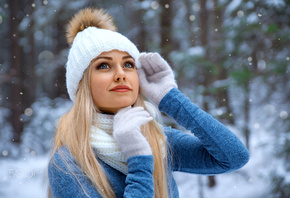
(90, 33)
(89, 17)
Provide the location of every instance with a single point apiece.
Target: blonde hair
(74, 132)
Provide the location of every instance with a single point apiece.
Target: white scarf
(104, 144)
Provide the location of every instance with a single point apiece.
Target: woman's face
(114, 81)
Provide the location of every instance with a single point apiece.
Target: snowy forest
(230, 57)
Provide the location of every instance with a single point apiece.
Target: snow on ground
(23, 178)
(26, 177)
(249, 182)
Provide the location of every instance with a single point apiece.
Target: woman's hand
(155, 76)
(127, 133)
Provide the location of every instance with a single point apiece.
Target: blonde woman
(109, 144)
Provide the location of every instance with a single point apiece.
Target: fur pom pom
(89, 17)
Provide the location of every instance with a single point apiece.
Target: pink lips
(121, 88)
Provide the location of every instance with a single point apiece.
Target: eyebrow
(126, 57)
(110, 58)
(103, 57)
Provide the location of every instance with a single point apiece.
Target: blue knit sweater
(213, 149)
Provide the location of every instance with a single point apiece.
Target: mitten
(127, 132)
(155, 76)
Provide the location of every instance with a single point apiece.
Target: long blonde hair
(74, 132)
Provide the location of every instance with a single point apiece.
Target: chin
(125, 103)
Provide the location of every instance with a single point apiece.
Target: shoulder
(66, 179)
(62, 160)
(61, 155)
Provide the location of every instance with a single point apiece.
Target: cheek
(97, 88)
(136, 83)
(135, 79)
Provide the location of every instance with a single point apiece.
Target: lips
(121, 88)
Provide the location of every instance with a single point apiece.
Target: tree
(16, 87)
(166, 18)
(30, 77)
(218, 58)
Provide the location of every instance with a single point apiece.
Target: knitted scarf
(104, 144)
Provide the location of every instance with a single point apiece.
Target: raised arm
(216, 149)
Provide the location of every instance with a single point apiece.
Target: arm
(215, 149)
(139, 180)
(127, 133)
(64, 184)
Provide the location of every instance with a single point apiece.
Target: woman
(109, 144)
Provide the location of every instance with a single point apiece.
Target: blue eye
(129, 65)
(103, 66)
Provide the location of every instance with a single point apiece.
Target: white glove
(155, 76)
(127, 133)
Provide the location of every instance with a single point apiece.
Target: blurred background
(231, 57)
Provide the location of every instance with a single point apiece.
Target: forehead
(114, 53)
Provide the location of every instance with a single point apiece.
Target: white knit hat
(88, 44)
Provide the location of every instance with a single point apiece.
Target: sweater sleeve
(139, 180)
(67, 180)
(213, 150)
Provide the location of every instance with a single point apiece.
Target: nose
(120, 74)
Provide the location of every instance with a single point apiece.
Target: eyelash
(132, 64)
(106, 64)
(102, 64)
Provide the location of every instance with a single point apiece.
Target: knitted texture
(89, 44)
(155, 76)
(127, 132)
(213, 150)
(106, 147)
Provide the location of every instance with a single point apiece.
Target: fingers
(161, 64)
(147, 66)
(132, 117)
(122, 111)
(127, 131)
(153, 63)
(129, 111)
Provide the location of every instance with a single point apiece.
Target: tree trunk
(166, 19)
(247, 103)
(16, 74)
(59, 82)
(188, 5)
(203, 15)
(136, 17)
(219, 58)
(30, 78)
(200, 187)
(208, 77)
(140, 37)
(211, 181)
(247, 114)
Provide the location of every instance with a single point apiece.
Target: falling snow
(23, 169)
